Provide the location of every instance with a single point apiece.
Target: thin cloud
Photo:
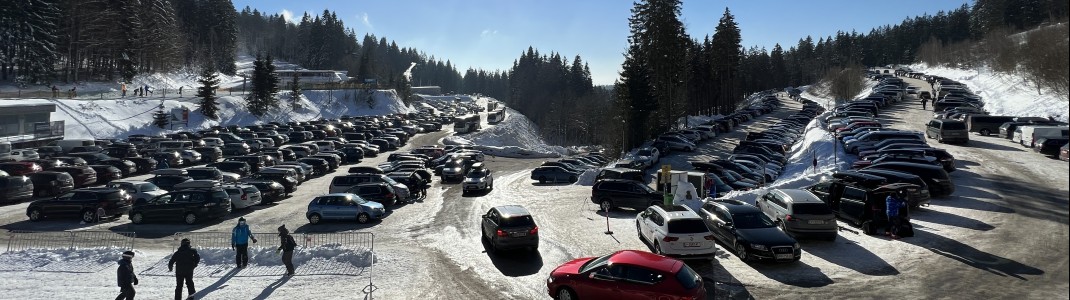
(367, 22)
(488, 33)
(288, 16)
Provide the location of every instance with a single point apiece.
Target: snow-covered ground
(1005, 94)
(119, 118)
(515, 137)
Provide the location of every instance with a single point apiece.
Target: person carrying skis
(126, 276)
(239, 241)
(185, 260)
(287, 244)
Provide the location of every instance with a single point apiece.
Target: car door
(153, 210)
(709, 216)
(646, 223)
(64, 205)
(347, 208)
(490, 223)
(638, 283)
(600, 283)
(635, 196)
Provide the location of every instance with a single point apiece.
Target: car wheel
(985, 132)
(566, 294)
(657, 249)
(36, 215)
(363, 218)
(315, 219)
(639, 232)
(190, 219)
(137, 218)
(89, 215)
(606, 205)
(542, 179)
(742, 253)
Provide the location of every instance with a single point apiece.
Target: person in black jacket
(127, 278)
(185, 259)
(287, 245)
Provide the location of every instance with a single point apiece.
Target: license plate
(696, 244)
(816, 222)
(520, 234)
(785, 256)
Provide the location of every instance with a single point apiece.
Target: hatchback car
(189, 206)
(642, 274)
(242, 195)
(15, 188)
(612, 193)
(478, 179)
(749, 232)
(138, 190)
(675, 231)
(510, 227)
(343, 206)
(51, 183)
(799, 213)
(554, 174)
(83, 175)
(88, 204)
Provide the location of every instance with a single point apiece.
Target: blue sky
(491, 34)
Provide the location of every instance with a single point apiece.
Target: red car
(625, 275)
(20, 168)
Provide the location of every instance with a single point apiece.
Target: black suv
(375, 191)
(51, 183)
(88, 204)
(748, 231)
(16, 188)
(188, 205)
(613, 193)
(510, 227)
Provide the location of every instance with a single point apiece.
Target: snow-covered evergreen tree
(209, 83)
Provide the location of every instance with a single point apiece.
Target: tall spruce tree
(258, 101)
(727, 51)
(209, 104)
(295, 92)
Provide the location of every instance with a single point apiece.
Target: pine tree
(295, 92)
(726, 50)
(265, 87)
(160, 118)
(209, 104)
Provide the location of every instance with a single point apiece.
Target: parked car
(509, 227)
(270, 191)
(287, 178)
(343, 206)
(126, 167)
(88, 204)
(947, 131)
(20, 168)
(51, 183)
(381, 192)
(242, 195)
(209, 154)
(935, 177)
(748, 232)
(799, 213)
(144, 164)
(621, 173)
(554, 174)
(645, 275)
(138, 190)
(83, 175)
(675, 231)
(188, 205)
(860, 205)
(613, 193)
(106, 173)
(236, 166)
(1049, 146)
(167, 182)
(916, 197)
(16, 188)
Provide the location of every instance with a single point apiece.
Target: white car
(190, 157)
(23, 154)
(242, 195)
(212, 142)
(138, 190)
(678, 143)
(676, 231)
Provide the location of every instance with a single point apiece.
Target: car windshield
(752, 221)
(686, 226)
(476, 174)
(149, 187)
(644, 152)
(595, 263)
(812, 209)
(517, 221)
(389, 180)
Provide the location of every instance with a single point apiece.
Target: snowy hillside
(118, 118)
(516, 137)
(1003, 94)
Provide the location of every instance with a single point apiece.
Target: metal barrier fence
(23, 240)
(349, 240)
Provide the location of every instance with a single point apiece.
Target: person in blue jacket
(239, 241)
(893, 203)
(126, 277)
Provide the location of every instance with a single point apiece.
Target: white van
(1025, 135)
(68, 144)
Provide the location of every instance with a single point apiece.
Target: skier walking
(287, 245)
(185, 260)
(127, 278)
(239, 241)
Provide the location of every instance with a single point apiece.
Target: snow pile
(119, 118)
(515, 137)
(587, 178)
(700, 119)
(799, 172)
(84, 260)
(819, 93)
(1004, 94)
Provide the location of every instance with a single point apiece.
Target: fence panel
(348, 240)
(97, 239)
(22, 240)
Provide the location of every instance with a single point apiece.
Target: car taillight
(669, 239)
(708, 237)
(244, 196)
(789, 218)
(500, 233)
(534, 231)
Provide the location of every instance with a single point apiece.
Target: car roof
(508, 211)
(736, 206)
(678, 212)
(799, 196)
(134, 182)
(645, 259)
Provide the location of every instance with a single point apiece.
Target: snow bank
(84, 260)
(119, 118)
(515, 137)
(1004, 94)
(817, 143)
(819, 93)
(587, 178)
